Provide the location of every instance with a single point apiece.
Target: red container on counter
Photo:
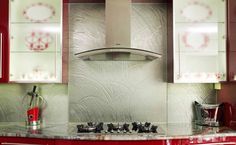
(33, 115)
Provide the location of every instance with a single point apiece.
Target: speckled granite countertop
(68, 131)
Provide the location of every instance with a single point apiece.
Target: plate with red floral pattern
(196, 12)
(39, 12)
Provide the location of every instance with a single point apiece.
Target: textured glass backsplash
(127, 91)
(12, 109)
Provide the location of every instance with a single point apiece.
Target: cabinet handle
(12, 143)
(1, 55)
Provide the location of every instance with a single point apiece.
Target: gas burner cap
(90, 127)
(144, 128)
(118, 128)
(94, 127)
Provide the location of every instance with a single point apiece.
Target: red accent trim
(4, 29)
(103, 1)
(170, 53)
(65, 42)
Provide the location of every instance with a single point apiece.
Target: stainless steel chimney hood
(118, 37)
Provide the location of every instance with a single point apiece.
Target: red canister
(33, 114)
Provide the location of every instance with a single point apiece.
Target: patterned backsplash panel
(122, 91)
(13, 108)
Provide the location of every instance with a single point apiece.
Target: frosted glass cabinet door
(199, 37)
(36, 41)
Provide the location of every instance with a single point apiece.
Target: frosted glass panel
(35, 10)
(200, 10)
(29, 67)
(197, 38)
(35, 37)
(197, 68)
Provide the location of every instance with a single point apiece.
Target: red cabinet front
(209, 141)
(25, 141)
(4, 41)
(67, 142)
(232, 40)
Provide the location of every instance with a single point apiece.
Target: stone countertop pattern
(68, 131)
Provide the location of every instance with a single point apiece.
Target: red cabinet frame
(4, 27)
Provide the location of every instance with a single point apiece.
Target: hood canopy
(118, 37)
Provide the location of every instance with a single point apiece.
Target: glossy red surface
(170, 45)
(4, 30)
(232, 10)
(209, 141)
(227, 94)
(19, 140)
(231, 51)
(65, 42)
(103, 1)
(67, 142)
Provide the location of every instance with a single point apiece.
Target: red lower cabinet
(67, 142)
(210, 141)
(25, 141)
(160, 142)
(193, 141)
(174, 142)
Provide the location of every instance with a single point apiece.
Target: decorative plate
(39, 12)
(38, 41)
(195, 40)
(196, 12)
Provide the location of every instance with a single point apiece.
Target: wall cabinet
(31, 47)
(197, 41)
(4, 41)
(36, 40)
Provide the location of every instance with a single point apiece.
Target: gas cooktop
(135, 127)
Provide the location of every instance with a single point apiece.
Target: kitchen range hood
(118, 37)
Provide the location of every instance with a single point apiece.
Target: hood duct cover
(118, 37)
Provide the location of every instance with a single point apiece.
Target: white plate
(196, 12)
(39, 12)
(195, 40)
